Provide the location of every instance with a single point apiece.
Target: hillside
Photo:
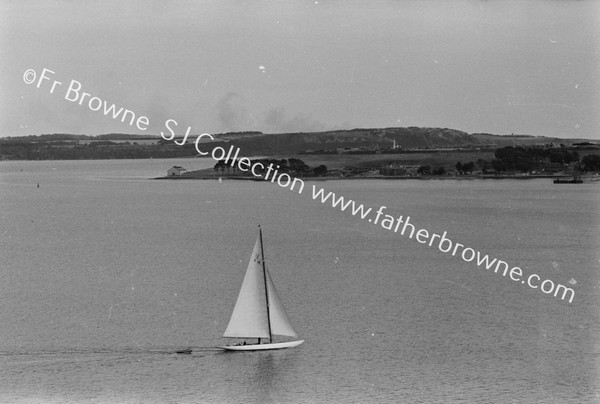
(410, 138)
(367, 141)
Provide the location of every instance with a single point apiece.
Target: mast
(262, 253)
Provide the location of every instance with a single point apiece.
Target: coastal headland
(439, 165)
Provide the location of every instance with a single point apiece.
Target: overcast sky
(491, 66)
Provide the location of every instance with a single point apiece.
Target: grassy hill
(367, 141)
(382, 138)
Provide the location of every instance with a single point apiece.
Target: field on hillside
(435, 159)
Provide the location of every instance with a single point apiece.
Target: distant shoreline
(203, 175)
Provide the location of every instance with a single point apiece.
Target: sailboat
(258, 312)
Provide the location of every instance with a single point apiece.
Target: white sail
(280, 322)
(253, 316)
(249, 317)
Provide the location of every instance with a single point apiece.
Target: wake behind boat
(258, 312)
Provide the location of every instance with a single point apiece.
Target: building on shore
(175, 171)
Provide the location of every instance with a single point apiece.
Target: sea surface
(105, 273)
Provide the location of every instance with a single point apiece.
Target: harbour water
(105, 274)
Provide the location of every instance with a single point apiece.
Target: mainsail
(250, 318)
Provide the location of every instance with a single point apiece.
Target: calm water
(104, 274)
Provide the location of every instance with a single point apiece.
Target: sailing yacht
(258, 312)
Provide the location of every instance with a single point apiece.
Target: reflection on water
(263, 377)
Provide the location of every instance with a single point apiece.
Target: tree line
(291, 166)
(524, 160)
(103, 149)
(532, 158)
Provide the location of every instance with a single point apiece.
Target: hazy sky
(495, 66)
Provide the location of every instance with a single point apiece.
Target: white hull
(261, 347)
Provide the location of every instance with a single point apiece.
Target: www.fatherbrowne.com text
(404, 227)
(399, 224)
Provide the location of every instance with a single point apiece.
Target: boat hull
(261, 347)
